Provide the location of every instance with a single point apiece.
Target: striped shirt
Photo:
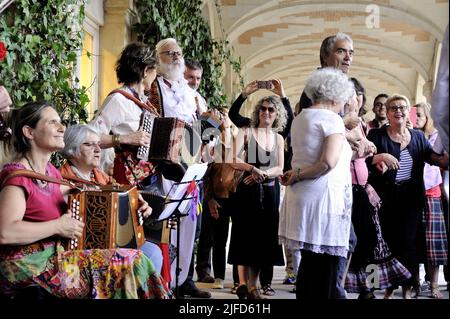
(406, 164)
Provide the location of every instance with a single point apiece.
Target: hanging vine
(183, 21)
(43, 39)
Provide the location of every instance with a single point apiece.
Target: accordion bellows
(111, 217)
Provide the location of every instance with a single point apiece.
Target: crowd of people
(359, 198)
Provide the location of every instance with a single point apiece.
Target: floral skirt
(95, 273)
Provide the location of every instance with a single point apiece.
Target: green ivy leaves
(43, 41)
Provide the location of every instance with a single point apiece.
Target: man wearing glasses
(175, 97)
(171, 93)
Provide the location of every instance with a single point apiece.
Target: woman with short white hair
(316, 213)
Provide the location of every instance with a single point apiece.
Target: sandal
(255, 294)
(435, 293)
(268, 290)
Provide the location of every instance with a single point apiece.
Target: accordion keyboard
(147, 126)
(75, 211)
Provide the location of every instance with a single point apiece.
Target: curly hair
(132, 62)
(329, 85)
(281, 119)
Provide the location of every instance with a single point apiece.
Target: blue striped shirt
(406, 164)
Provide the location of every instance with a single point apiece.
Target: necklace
(40, 182)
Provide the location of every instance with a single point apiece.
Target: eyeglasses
(401, 108)
(92, 145)
(264, 109)
(172, 53)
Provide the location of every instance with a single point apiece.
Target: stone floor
(284, 291)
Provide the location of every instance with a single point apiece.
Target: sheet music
(195, 171)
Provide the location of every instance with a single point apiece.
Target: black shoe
(197, 293)
(207, 279)
(242, 292)
(194, 292)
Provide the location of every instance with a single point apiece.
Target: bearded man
(173, 97)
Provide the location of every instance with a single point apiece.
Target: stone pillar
(115, 34)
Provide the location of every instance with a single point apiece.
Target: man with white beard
(171, 94)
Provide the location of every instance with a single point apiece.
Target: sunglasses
(265, 109)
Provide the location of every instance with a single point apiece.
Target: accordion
(166, 142)
(147, 120)
(154, 229)
(111, 217)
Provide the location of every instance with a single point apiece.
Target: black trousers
(317, 276)
(214, 236)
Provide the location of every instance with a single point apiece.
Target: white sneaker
(218, 284)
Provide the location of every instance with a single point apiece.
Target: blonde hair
(428, 128)
(396, 97)
(281, 119)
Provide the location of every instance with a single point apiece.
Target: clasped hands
(256, 176)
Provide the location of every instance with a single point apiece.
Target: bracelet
(297, 174)
(116, 140)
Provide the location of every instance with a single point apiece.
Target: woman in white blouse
(316, 213)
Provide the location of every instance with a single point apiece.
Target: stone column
(115, 34)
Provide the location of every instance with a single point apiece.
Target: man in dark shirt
(335, 51)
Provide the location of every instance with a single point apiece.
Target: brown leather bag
(225, 179)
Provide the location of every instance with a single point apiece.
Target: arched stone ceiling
(281, 39)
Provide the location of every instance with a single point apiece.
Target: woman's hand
(139, 138)
(249, 180)
(351, 120)
(258, 175)
(250, 88)
(366, 148)
(278, 88)
(390, 161)
(69, 227)
(214, 206)
(288, 178)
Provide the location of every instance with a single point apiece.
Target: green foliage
(183, 21)
(43, 39)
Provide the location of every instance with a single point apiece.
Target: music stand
(176, 215)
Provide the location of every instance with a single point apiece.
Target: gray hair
(280, 120)
(329, 85)
(328, 43)
(74, 136)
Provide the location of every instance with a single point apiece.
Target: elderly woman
(121, 113)
(33, 218)
(400, 183)
(434, 236)
(254, 240)
(82, 151)
(316, 212)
